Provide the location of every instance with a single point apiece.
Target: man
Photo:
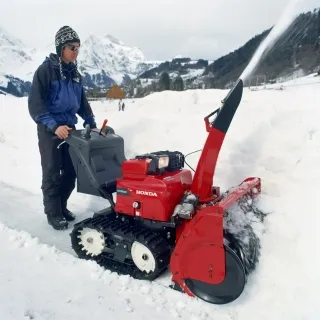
(56, 97)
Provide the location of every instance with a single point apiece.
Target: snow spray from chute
(281, 26)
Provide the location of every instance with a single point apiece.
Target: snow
(193, 73)
(55, 285)
(275, 135)
(310, 79)
(190, 62)
(3, 81)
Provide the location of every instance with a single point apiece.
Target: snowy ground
(275, 135)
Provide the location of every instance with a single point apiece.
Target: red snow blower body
(164, 217)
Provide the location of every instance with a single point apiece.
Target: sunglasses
(72, 48)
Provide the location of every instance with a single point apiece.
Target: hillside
(176, 74)
(297, 50)
(181, 66)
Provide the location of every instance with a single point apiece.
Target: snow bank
(275, 135)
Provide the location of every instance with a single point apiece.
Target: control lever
(101, 131)
(105, 121)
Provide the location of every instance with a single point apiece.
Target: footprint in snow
(129, 307)
(29, 314)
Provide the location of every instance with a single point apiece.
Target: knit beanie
(65, 35)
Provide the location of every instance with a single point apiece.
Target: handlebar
(86, 132)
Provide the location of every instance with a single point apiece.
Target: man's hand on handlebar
(62, 132)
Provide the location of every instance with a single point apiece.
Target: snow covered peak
(7, 39)
(13, 52)
(111, 55)
(114, 39)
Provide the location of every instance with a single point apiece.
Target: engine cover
(149, 196)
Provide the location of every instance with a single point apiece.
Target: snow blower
(164, 217)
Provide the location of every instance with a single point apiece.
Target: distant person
(123, 106)
(56, 97)
(119, 104)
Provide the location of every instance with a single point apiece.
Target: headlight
(163, 162)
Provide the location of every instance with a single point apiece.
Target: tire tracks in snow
(22, 210)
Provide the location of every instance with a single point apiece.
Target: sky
(162, 29)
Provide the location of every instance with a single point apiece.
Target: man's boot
(57, 222)
(54, 214)
(68, 215)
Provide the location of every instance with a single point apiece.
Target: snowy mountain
(41, 277)
(181, 72)
(13, 55)
(183, 66)
(103, 60)
(112, 56)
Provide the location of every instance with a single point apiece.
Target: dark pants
(58, 174)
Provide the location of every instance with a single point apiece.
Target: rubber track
(111, 225)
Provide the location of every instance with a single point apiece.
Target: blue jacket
(54, 101)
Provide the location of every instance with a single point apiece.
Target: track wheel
(142, 257)
(228, 290)
(90, 241)
(150, 255)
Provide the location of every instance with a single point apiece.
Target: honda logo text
(147, 193)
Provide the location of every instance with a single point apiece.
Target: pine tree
(164, 81)
(178, 84)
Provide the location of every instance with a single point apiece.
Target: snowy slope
(275, 135)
